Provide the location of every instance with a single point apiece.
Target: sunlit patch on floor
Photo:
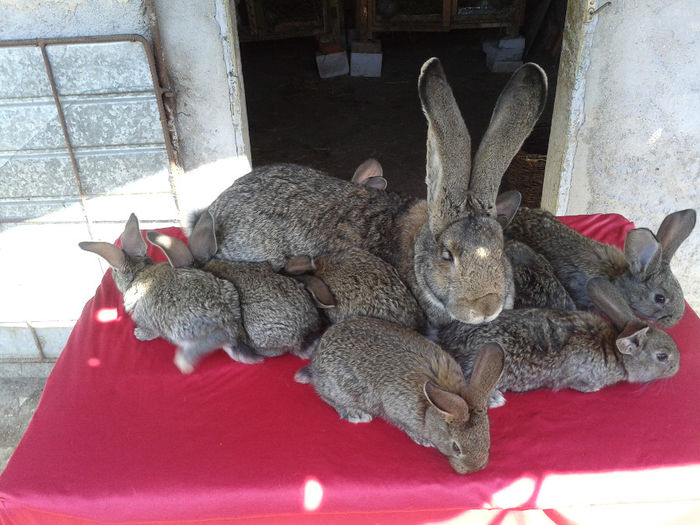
(107, 315)
(313, 494)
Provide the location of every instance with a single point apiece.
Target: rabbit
(369, 174)
(559, 349)
(448, 249)
(362, 284)
(367, 367)
(535, 285)
(641, 272)
(277, 314)
(193, 310)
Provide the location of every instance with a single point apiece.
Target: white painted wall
(637, 150)
(201, 54)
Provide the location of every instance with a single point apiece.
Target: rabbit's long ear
(202, 240)
(518, 107)
(446, 401)
(607, 298)
(507, 205)
(299, 264)
(448, 162)
(368, 169)
(109, 252)
(642, 250)
(175, 250)
(488, 369)
(632, 338)
(132, 242)
(674, 229)
(318, 289)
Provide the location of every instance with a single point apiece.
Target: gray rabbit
(277, 314)
(569, 349)
(641, 272)
(448, 249)
(362, 285)
(535, 284)
(368, 367)
(192, 309)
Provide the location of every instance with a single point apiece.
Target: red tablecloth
(120, 435)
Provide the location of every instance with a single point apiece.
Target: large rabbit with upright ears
(641, 271)
(448, 249)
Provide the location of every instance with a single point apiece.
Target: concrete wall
(629, 143)
(200, 51)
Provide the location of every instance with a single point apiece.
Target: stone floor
(21, 385)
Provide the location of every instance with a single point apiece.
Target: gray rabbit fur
(277, 314)
(569, 349)
(448, 249)
(536, 285)
(362, 285)
(193, 310)
(368, 367)
(641, 272)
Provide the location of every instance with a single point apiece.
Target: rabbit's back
(283, 210)
(277, 311)
(182, 304)
(380, 366)
(366, 286)
(574, 257)
(543, 348)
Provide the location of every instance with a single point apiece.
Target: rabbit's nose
(488, 305)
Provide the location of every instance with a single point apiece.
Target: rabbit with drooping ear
(641, 272)
(448, 249)
(569, 349)
(368, 367)
(192, 309)
(278, 316)
(369, 174)
(362, 285)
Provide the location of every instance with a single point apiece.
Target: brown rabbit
(362, 285)
(568, 349)
(641, 272)
(367, 367)
(448, 249)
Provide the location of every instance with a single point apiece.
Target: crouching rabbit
(366, 367)
(277, 314)
(362, 285)
(568, 349)
(193, 310)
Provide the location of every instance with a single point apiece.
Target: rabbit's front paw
(143, 334)
(355, 415)
(242, 356)
(182, 363)
(496, 399)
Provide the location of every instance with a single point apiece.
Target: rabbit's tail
(303, 375)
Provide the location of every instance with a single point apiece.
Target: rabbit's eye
(455, 448)
(660, 298)
(661, 356)
(446, 255)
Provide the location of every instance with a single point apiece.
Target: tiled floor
(21, 385)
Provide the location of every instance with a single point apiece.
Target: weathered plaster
(636, 151)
